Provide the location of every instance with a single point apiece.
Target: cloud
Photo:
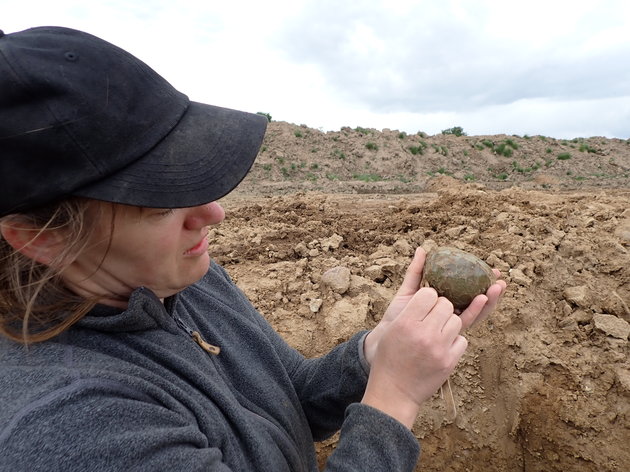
(555, 68)
(460, 56)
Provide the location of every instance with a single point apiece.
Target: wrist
(369, 346)
(389, 402)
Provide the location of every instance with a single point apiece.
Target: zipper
(209, 348)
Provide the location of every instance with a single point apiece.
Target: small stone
(520, 278)
(612, 326)
(577, 295)
(337, 278)
(375, 273)
(456, 231)
(403, 247)
(331, 243)
(301, 249)
(315, 304)
(493, 260)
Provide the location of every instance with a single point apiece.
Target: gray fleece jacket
(131, 390)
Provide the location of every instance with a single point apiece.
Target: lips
(198, 249)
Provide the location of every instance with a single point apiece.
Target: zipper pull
(204, 345)
(197, 337)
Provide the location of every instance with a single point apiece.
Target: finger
(459, 346)
(421, 304)
(439, 315)
(452, 327)
(483, 305)
(472, 311)
(413, 275)
(494, 294)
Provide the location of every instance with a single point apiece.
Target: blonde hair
(35, 305)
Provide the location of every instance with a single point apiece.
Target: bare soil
(545, 383)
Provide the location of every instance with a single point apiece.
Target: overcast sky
(554, 67)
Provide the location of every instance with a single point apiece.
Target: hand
(479, 308)
(417, 351)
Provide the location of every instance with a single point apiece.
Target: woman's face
(163, 250)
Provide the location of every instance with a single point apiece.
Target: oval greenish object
(457, 275)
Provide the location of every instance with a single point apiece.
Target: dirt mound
(545, 384)
(359, 160)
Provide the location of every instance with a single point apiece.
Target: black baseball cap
(80, 116)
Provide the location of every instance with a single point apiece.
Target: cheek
(148, 248)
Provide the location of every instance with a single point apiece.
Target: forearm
(327, 385)
(372, 440)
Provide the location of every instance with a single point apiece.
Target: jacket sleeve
(100, 426)
(329, 389)
(369, 436)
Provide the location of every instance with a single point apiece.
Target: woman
(124, 346)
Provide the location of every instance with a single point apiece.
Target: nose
(204, 215)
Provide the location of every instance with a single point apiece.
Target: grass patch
(371, 146)
(440, 149)
(506, 148)
(367, 177)
(338, 153)
(564, 156)
(419, 149)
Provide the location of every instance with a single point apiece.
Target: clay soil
(545, 383)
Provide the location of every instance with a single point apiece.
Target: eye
(165, 212)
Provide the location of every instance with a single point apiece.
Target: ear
(40, 245)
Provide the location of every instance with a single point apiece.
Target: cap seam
(20, 73)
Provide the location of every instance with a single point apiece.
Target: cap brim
(204, 157)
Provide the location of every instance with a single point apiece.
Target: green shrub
(371, 146)
(298, 133)
(361, 130)
(504, 150)
(564, 156)
(455, 130)
(266, 167)
(419, 149)
(267, 115)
